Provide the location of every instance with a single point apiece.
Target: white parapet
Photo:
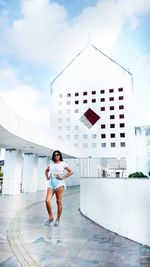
(120, 205)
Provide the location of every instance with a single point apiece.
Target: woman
(56, 185)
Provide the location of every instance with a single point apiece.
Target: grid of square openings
(95, 96)
(79, 98)
(102, 95)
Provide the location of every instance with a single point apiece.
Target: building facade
(142, 134)
(91, 109)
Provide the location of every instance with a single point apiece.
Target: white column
(30, 173)
(12, 171)
(43, 162)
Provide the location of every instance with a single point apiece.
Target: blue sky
(39, 37)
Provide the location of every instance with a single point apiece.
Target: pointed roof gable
(89, 44)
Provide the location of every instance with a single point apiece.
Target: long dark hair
(53, 157)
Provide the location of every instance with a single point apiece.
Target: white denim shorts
(55, 183)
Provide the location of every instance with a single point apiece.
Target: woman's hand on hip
(59, 176)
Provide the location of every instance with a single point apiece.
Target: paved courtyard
(77, 242)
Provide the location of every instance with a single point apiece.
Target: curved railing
(120, 205)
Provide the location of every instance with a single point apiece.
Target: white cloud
(36, 36)
(44, 32)
(143, 65)
(134, 9)
(8, 79)
(26, 101)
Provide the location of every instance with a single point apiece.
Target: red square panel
(89, 118)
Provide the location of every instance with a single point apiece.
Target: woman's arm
(69, 173)
(46, 173)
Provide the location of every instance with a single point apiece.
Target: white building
(91, 109)
(142, 134)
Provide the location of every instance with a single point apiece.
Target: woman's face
(56, 156)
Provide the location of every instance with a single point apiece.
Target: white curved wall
(17, 133)
(120, 205)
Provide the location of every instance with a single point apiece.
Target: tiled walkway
(77, 242)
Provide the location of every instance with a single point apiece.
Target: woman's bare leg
(59, 193)
(48, 202)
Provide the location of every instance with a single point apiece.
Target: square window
(59, 128)
(103, 126)
(93, 145)
(120, 89)
(93, 92)
(85, 101)
(76, 127)
(76, 136)
(102, 108)
(103, 135)
(68, 111)
(122, 125)
(111, 107)
(76, 94)
(113, 144)
(121, 116)
(84, 93)
(120, 97)
(102, 99)
(60, 95)
(68, 102)
(111, 99)
(94, 136)
(68, 137)
(77, 102)
(76, 145)
(102, 91)
(121, 107)
(60, 111)
(59, 120)
(76, 111)
(85, 145)
(112, 117)
(60, 103)
(68, 128)
(122, 144)
(111, 90)
(122, 135)
(112, 135)
(85, 136)
(93, 100)
(68, 95)
(112, 125)
(67, 119)
(103, 144)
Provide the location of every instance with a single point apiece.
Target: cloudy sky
(39, 37)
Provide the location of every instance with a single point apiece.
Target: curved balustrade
(120, 205)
